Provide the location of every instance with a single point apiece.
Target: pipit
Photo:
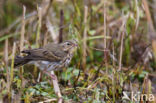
(51, 57)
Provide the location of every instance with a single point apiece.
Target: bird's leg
(53, 77)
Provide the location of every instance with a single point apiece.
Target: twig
(22, 29)
(39, 9)
(105, 50)
(61, 24)
(104, 27)
(48, 100)
(105, 35)
(53, 33)
(113, 59)
(85, 37)
(45, 38)
(22, 46)
(98, 37)
(12, 65)
(137, 13)
(6, 57)
(6, 64)
(113, 86)
(46, 4)
(22, 39)
(151, 30)
(56, 88)
(121, 50)
(122, 38)
(149, 19)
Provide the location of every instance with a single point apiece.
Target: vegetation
(116, 54)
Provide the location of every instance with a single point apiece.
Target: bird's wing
(56, 50)
(41, 54)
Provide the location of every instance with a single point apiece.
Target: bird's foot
(53, 77)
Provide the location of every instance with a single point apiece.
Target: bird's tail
(20, 61)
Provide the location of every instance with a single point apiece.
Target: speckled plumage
(50, 57)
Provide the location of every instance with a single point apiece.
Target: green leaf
(44, 94)
(91, 32)
(76, 72)
(143, 74)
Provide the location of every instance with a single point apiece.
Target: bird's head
(69, 45)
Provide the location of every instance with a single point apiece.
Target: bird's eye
(68, 43)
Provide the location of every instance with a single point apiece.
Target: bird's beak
(77, 46)
(76, 43)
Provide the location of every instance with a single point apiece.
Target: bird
(51, 57)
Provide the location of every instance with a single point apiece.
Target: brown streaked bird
(50, 57)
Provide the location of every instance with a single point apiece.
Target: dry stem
(85, 37)
(56, 88)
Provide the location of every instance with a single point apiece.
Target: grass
(114, 55)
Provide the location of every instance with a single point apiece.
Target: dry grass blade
(138, 14)
(104, 25)
(49, 101)
(151, 31)
(121, 51)
(105, 35)
(12, 68)
(45, 39)
(6, 55)
(113, 56)
(61, 24)
(122, 38)
(85, 37)
(53, 33)
(6, 64)
(39, 9)
(22, 47)
(39, 26)
(148, 14)
(12, 63)
(22, 29)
